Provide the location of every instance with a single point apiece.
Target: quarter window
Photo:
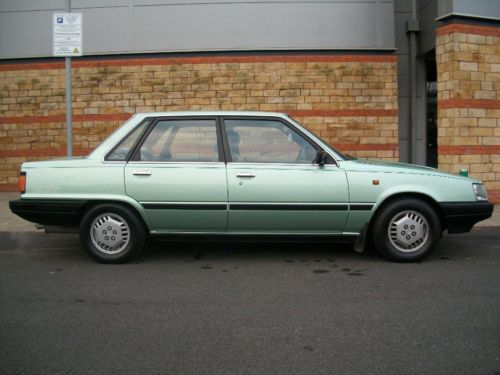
(267, 141)
(181, 141)
(121, 152)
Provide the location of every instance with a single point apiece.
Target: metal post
(69, 109)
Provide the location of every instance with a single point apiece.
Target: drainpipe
(412, 28)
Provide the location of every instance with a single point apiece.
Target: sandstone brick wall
(350, 100)
(468, 65)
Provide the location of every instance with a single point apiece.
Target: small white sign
(67, 34)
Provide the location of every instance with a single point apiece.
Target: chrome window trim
(176, 162)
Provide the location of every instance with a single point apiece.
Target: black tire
(406, 230)
(111, 233)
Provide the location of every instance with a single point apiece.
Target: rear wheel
(112, 233)
(406, 230)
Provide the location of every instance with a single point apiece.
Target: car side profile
(242, 174)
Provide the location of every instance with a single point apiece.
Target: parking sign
(67, 34)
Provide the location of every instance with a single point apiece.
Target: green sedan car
(246, 175)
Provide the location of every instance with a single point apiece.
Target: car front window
(267, 141)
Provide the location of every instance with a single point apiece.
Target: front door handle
(245, 174)
(141, 173)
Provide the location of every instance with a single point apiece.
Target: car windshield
(334, 150)
(341, 154)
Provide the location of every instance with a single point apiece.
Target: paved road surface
(249, 309)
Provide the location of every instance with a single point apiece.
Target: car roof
(211, 113)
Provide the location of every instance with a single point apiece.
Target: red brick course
(200, 60)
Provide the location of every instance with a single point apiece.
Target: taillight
(22, 182)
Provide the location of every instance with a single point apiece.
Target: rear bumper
(461, 216)
(48, 212)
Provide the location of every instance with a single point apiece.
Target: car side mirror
(321, 157)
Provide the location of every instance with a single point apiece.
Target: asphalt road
(249, 309)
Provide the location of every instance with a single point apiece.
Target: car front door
(178, 175)
(274, 186)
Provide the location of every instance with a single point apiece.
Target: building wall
(349, 100)
(468, 64)
(158, 26)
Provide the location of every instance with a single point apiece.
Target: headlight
(480, 192)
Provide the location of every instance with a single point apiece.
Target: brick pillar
(468, 75)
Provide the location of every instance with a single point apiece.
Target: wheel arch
(401, 195)
(134, 206)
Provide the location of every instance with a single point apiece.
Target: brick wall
(468, 65)
(350, 100)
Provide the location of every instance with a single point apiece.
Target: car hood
(366, 165)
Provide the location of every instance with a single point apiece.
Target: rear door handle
(141, 173)
(245, 174)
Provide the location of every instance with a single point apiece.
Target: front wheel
(406, 230)
(111, 233)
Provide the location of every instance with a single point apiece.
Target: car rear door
(273, 184)
(178, 175)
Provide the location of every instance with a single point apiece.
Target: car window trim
(300, 133)
(221, 142)
(220, 152)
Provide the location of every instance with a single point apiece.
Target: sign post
(67, 42)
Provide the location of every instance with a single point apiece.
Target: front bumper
(48, 212)
(460, 217)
